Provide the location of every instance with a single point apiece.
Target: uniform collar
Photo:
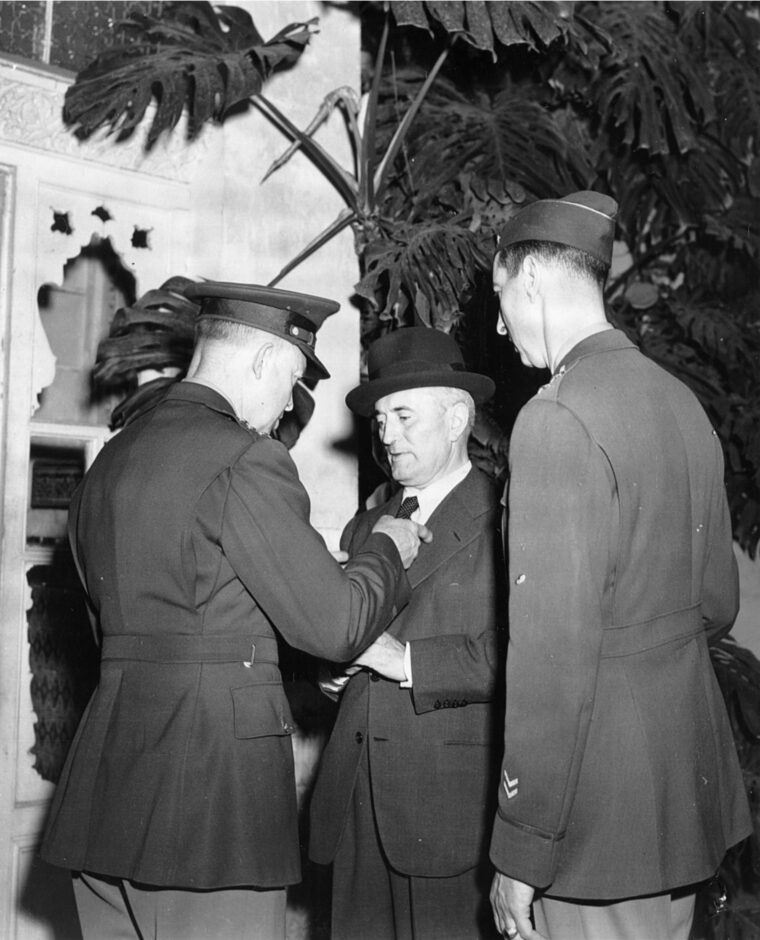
(569, 345)
(201, 394)
(600, 341)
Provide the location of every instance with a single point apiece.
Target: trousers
(115, 909)
(373, 901)
(660, 917)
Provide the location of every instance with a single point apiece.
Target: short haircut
(233, 333)
(453, 396)
(575, 262)
(226, 331)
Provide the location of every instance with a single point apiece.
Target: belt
(190, 648)
(638, 637)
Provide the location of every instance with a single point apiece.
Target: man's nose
(387, 434)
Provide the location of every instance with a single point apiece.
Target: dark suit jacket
(620, 775)
(433, 750)
(192, 536)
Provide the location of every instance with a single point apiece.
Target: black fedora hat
(415, 357)
(294, 316)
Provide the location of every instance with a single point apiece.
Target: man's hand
(406, 534)
(386, 656)
(333, 684)
(511, 901)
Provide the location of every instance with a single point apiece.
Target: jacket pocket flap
(261, 710)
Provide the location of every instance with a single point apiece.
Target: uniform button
(359, 737)
(436, 704)
(374, 676)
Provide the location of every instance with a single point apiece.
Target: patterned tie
(407, 507)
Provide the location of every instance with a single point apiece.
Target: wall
(247, 231)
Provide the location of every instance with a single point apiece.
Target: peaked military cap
(415, 357)
(293, 316)
(584, 220)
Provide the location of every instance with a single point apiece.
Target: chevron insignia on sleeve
(510, 786)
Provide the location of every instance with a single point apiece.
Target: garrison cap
(415, 357)
(584, 220)
(293, 316)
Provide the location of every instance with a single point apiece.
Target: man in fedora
(177, 805)
(406, 787)
(620, 785)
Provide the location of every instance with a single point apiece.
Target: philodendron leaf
(192, 56)
(649, 85)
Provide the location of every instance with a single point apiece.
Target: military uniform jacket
(192, 536)
(433, 749)
(620, 776)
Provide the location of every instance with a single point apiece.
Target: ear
(458, 417)
(531, 271)
(261, 358)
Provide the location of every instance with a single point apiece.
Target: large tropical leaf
(506, 136)
(662, 197)
(739, 225)
(422, 271)
(486, 24)
(715, 330)
(737, 90)
(727, 40)
(650, 88)
(190, 56)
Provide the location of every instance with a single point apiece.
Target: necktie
(407, 507)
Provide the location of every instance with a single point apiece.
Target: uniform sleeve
(561, 496)
(73, 526)
(318, 606)
(720, 582)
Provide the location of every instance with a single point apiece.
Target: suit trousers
(659, 917)
(115, 909)
(373, 901)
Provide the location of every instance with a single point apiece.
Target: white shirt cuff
(407, 683)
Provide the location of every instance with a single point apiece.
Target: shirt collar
(430, 497)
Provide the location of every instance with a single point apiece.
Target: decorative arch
(69, 224)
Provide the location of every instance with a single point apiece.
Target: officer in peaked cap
(621, 569)
(176, 808)
(293, 316)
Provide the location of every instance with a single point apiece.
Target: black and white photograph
(380, 470)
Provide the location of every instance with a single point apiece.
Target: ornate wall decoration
(30, 115)
(64, 661)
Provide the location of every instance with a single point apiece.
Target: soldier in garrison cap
(176, 808)
(620, 787)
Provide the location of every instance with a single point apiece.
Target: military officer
(176, 809)
(620, 785)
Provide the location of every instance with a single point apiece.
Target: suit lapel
(453, 524)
